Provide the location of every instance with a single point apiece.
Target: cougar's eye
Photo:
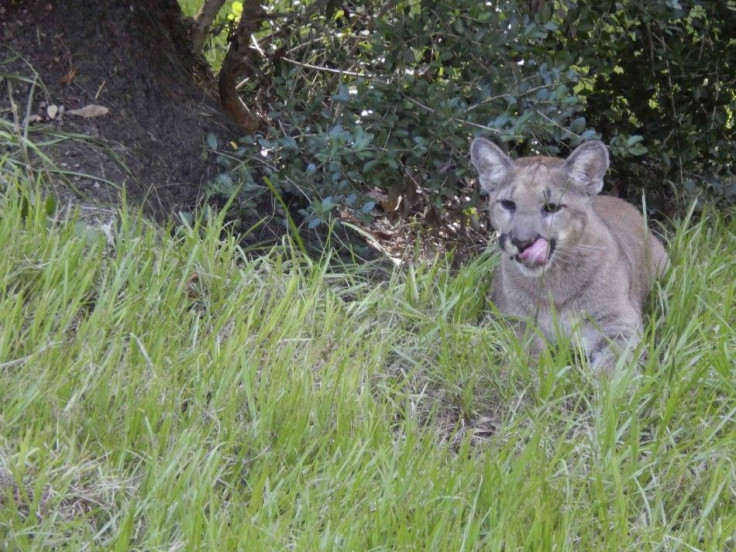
(508, 204)
(551, 208)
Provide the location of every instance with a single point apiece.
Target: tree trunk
(135, 58)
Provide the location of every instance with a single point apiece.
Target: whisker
(581, 246)
(563, 253)
(586, 246)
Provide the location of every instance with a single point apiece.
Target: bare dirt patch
(161, 107)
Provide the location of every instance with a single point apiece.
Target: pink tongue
(537, 253)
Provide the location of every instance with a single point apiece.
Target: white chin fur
(531, 272)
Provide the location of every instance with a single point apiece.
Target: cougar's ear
(586, 167)
(491, 163)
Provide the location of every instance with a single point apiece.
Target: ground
(152, 140)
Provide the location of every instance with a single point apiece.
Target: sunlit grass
(162, 391)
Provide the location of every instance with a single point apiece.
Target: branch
(203, 21)
(237, 60)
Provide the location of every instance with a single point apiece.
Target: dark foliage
(376, 97)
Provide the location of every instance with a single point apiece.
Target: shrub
(369, 97)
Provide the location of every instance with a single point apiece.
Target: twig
(454, 119)
(327, 69)
(570, 132)
(499, 96)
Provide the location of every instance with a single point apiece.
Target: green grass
(160, 390)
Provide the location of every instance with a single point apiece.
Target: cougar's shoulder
(635, 241)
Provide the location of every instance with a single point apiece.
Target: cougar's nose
(521, 244)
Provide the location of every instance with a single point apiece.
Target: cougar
(572, 261)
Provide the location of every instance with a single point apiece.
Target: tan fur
(601, 260)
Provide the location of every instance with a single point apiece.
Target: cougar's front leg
(604, 343)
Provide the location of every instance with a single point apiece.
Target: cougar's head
(539, 205)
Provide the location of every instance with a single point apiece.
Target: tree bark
(238, 60)
(203, 21)
(135, 58)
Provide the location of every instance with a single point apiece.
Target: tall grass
(162, 391)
